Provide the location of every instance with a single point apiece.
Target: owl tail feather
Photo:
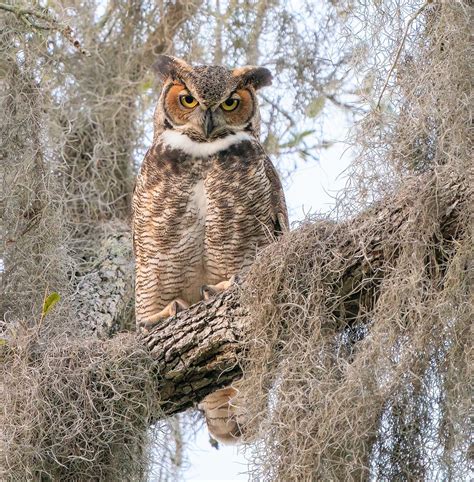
(223, 416)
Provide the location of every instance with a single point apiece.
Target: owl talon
(177, 306)
(208, 291)
(224, 416)
(172, 309)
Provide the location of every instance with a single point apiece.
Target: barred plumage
(207, 196)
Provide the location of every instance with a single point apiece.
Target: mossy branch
(198, 350)
(41, 19)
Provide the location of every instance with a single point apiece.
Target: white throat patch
(176, 140)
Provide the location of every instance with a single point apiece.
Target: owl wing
(279, 211)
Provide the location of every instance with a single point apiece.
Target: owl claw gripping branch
(207, 196)
(172, 309)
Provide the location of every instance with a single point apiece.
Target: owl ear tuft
(257, 77)
(167, 66)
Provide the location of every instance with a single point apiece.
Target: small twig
(343, 105)
(400, 48)
(279, 109)
(25, 14)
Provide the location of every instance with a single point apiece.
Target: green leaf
(315, 106)
(297, 138)
(367, 86)
(49, 302)
(271, 143)
(146, 85)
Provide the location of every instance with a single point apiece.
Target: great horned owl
(207, 196)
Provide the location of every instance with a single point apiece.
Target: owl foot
(223, 416)
(172, 309)
(208, 291)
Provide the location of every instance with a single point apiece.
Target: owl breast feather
(200, 220)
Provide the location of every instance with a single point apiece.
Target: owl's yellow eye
(188, 101)
(230, 104)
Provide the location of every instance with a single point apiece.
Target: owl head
(208, 102)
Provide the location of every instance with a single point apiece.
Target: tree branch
(104, 394)
(160, 39)
(198, 350)
(31, 16)
(104, 292)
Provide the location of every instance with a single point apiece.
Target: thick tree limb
(74, 398)
(198, 350)
(104, 294)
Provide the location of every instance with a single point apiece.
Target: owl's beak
(208, 123)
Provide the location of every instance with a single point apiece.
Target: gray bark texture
(197, 351)
(106, 290)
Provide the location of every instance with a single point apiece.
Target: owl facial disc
(207, 103)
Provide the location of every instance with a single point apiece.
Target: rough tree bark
(104, 295)
(198, 350)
